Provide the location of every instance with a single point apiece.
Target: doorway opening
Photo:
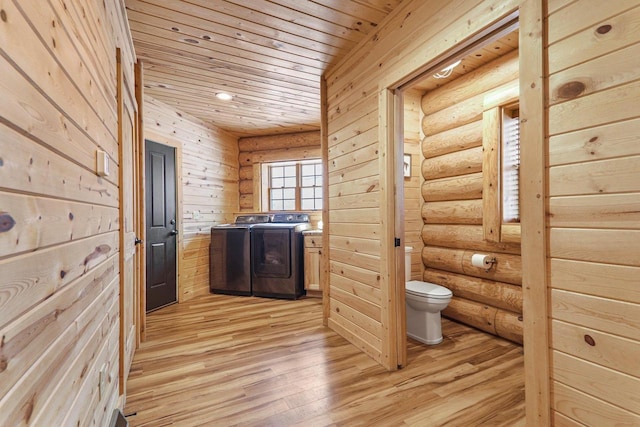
(439, 130)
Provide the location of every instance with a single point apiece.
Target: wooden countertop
(316, 232)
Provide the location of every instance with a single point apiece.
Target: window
(501, 167)
(510, 165)
(292, 186)
(283, 181)
(311, 186)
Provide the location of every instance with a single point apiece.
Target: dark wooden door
(162, 227)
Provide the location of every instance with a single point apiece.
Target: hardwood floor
(222, 360)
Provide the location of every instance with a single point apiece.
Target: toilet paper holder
(490, 263)
(483, 261)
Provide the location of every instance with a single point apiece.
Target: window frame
(266, 189)
(495, 103)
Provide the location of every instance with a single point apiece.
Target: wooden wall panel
(271, 148)
(453, 204)
(594, 197)
(59, 232)
(412, 184)
(415, 33)
(207, 168)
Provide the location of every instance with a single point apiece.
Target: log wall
(59, 221)
(270, 148)
(593, 212)
(452, 211)
(207, 171)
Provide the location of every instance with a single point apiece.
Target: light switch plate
(102, 163)
(102, 381)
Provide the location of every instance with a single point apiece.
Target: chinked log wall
(271, 148)
(207, 168)
(452, 209)
(59, 221)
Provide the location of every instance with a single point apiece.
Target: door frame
(141, 254)
(125, 99)
(530, 15)
(152, 135)
(392, 109)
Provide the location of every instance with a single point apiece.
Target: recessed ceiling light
(224, 96)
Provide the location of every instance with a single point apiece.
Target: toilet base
(424, 326)
(426, 341)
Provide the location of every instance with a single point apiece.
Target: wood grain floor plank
(222, 361)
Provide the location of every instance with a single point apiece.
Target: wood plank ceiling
(268, 54)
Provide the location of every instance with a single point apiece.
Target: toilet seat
(426, 289)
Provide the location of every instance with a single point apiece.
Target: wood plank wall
(412, 195)
(362, 297)
(207, 168)
(270, 148)
(452, 210)
(593, 211)
(59, 242)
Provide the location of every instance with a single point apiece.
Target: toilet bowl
(424, 302)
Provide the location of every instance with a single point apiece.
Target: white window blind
(511, 167)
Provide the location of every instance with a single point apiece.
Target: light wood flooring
(224, 361)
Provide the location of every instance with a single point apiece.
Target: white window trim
(263, 184)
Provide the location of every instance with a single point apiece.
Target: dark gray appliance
(277, 256)
(230, 256)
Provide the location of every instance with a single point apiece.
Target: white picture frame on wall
(406, 166)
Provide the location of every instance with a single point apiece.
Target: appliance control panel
(290, 217)
(252, 219)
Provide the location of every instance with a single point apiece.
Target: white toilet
(424, 302)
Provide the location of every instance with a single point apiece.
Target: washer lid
(431, 290)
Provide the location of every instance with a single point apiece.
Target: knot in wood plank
(571, 90)
(6, 222)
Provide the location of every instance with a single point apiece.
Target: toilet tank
(407, 262)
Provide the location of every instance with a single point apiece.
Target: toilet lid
(431, 290)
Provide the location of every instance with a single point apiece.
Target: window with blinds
(501, 168)
(510, 166)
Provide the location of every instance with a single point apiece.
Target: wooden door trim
(533, 199)
(141, 218)
(120, 112)
(389, 271)
(325, 255)
(125, 98)
(397, 134)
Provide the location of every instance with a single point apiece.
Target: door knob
(173, 232)
(138, 241)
